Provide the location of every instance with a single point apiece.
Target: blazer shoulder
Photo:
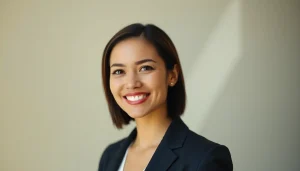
(111, 148)
(108, 151)
(211, 154)
(195, 139)
(200, 146)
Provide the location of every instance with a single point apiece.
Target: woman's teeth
(136, 98)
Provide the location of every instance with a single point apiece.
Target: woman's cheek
(118, 84)
(113, 85)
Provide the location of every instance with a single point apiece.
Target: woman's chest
(137, 160)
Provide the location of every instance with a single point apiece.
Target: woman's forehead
(132, 50)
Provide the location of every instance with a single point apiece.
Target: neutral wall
(240, 60)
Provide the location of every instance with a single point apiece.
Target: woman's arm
(217, 159)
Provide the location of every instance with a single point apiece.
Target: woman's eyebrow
(137, 63)
(117, 65)
(144, 60)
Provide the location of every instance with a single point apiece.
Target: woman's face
(138, 77)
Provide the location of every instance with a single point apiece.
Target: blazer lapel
(174, 138)
(163, 157)
(116, 159)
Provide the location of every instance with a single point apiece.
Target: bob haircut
(176, 96)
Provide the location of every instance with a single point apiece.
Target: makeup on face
(138, 78)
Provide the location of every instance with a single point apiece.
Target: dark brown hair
(176, 97)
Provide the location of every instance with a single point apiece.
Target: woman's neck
(151, 129)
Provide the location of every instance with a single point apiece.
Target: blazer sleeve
(217, 159)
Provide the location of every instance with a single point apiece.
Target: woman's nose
(132, 81)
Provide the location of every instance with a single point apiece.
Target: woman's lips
(136, 98)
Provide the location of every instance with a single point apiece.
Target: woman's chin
(138, 115)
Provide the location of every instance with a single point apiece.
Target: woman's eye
(118, 72)
(146, 68)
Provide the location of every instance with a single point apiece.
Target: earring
(172, 84)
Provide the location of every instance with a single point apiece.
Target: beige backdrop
(240, 60)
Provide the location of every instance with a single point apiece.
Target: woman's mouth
(136, 98)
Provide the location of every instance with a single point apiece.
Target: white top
(121, 168)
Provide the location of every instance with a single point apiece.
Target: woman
(143, 81)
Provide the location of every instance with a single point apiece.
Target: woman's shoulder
(199, 143)
(108, 153)
(197, 139)
(119, 145)
(111, 148)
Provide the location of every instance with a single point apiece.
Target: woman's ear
(173, 75)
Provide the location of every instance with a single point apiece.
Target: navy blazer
(180, 150)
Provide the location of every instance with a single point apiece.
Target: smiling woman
(143, 81)
(139, 80)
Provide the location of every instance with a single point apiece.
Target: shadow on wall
(247, 90)
(191, 30)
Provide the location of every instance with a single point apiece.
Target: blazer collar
(174, 138)
(164, 156)
(176, 134)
